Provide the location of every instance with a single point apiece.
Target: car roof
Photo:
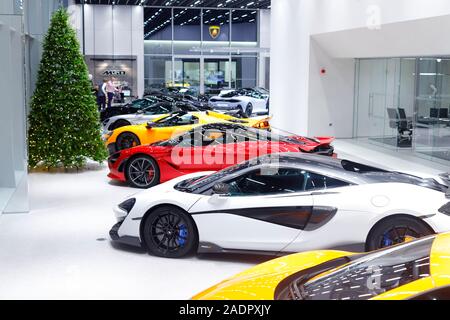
(328, 166)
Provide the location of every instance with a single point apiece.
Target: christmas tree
(64, 126)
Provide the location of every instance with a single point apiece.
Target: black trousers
(101, 103)
(110, 98)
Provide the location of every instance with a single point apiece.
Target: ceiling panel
(242, 4)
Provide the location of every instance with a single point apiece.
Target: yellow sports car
(419, 269)
(169, 125)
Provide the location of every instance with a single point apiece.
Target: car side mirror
(140, 111)
(150, 125)
(221, 189)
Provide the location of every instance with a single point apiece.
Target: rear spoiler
(445, 177)
(325, 140)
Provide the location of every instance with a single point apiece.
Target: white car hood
(166, 194)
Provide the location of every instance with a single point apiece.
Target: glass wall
(210, 49)
(403, 103)
(432, 132)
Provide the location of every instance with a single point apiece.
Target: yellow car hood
(261, 281)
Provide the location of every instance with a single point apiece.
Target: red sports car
(206, 148)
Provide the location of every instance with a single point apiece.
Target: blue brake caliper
(386, 240)
(182, 235)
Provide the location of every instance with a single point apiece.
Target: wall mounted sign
(214, 31)
(114, 73)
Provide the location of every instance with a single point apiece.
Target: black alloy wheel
(170, 232)
(396, 230)
(249, 110)
(127, 140)
(142, 172)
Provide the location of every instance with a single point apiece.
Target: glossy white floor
(61, 249)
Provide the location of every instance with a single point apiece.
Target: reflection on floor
(61, 249)
(433, 141)
(392, 159)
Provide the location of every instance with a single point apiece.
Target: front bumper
(116, 165)
(131, 241)
(226, 105)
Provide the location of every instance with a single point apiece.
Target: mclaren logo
(214, 31)
(114, 73)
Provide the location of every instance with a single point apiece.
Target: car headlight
(445, 209)
(107, 135)
(127, 205)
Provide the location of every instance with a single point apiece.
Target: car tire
(249, 110)
(118, 124)
(395, 230)
(170, 232)
(142, 172)
(127, 140)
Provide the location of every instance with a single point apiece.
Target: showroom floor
(61, 250)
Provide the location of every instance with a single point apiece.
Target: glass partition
(157, 72)
(403, 103)
(186, 73)
(244, 71)
(432, 137)
(216, 74)
(223, 43)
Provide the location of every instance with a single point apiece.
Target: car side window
(158, 109)
(208, 137)
(266, 181)
(314, 181)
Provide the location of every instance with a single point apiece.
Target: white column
(289, 70)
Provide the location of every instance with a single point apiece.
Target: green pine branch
(64, 124)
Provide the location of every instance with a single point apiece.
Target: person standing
(101, 95)
(110, 90)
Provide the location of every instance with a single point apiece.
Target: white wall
(13, 164)
(330, 33)
(289, 69)
(112, 30)
(330, 94)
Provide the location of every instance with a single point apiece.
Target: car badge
(214, 31)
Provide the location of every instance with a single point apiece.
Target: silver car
(144, 115)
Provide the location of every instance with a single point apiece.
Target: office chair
(403, 117)
(404, 132)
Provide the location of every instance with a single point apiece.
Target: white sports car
(248, 101)
(283, 203)
(146, 114)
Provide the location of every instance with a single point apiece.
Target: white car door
(262, 221)
(339, 218)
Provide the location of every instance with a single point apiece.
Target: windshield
(200, 183)
(366, 277)
(176, 119)
(157, 108)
